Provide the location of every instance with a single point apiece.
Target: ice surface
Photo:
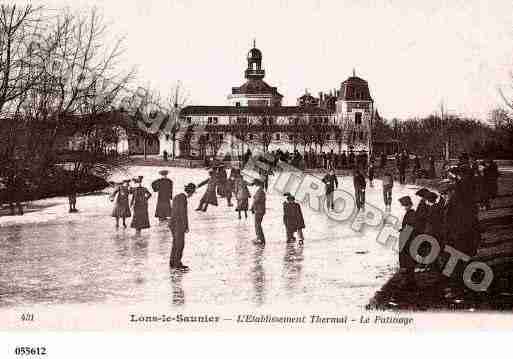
(49, 256)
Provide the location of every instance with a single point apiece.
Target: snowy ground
(49, 256)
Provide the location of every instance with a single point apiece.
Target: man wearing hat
(179, 225)
(359, 188)
(422, 211)
(331, 182)
(164, 187)
(406, 262)
(258, 209)
(293, 219)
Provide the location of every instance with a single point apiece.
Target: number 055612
(30, 351)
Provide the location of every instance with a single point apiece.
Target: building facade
(339, 120)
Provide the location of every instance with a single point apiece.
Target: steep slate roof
(355, 89)
(254, 110)
(256, 86)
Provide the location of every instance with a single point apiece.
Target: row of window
(277, 136)
(272, 121)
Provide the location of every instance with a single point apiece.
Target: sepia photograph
(184, 165)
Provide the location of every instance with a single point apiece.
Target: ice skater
(164, 187)
(258, 209)
(179, 225)
(293, 219)
(388, 184)
(359, 188)
(408, 233)
(331, 184)
(139, 203)
(370, 173)
(121, 203)
(242, 193)
(210, 196)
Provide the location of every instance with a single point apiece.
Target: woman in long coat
(242, 194)
(121, 204)
(210, 196)
(139, 203)
(164, 187)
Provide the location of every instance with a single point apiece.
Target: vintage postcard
(255, 165)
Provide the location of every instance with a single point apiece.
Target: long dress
(121, 205)
(242, 194)
(222, 183)
(164, 187)
(140, 202)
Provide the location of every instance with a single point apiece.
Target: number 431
(27, 317)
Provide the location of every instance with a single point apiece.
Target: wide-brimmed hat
(190, 188)
(289, 195)
(423, 192)
(445, 186)
(405, 201)
(431, 197)
(128, 180)
(163, 172)
(138, 179)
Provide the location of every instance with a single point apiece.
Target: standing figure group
(138, 204)
(451, 218)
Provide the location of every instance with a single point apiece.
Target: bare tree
(20, 31)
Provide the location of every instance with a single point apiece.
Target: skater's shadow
(292, 267)
(178, 294)
(258, 276)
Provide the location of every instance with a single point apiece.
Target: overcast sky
(412, 53)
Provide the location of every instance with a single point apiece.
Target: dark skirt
(121, 210)
(140, 219)
(242, 204)
(121, 206)
(163, 209)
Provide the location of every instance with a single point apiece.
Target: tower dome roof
(254, 54)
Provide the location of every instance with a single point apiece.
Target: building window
(215, 120)
(167, 137)
(361, 135)
(277, 136)
(237, 104)
(188, 120)
(137, 143)
(251, 136)
(291, 137)
(220, 135)
(242, 120)
(326, 120)
(328, 137)
(358, 118)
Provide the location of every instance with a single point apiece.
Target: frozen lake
(50, 257)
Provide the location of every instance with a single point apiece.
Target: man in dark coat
(258, 209)
(293, 219)
(490, 184)
(383, 160)
(164, 187)
(359, 188)
(431, 169)
(422, 211)
(406, 262)
(343, 159)
(179, 225)
(331, 183)
(402, 164)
